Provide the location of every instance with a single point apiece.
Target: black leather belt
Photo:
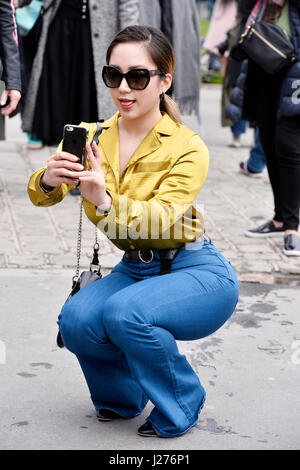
(147, 255)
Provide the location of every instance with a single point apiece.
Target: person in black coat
(272, 101)
(10, 71)
(245, 7)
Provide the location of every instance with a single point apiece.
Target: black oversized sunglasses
(137, 79)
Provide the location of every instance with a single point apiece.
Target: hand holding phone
(74, 140)
(63, 166)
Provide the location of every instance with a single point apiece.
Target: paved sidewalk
(249, 369)
(46, 238)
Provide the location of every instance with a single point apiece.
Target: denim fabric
(123, 329)
(239, 128)
(257, 159)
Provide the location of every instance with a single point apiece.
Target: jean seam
(184, 408)
(185, 297)
(168, 434)
(174, 383)
(168, 362)
(151, 332)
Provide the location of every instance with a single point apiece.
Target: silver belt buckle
(146, 261)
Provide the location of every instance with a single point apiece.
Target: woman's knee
(68, 323)
(76, 326)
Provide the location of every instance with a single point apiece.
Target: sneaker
(236, 141)
(267, 229)
(244, 169)
(291, 245)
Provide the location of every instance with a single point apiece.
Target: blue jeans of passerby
(123, 329)
(257, 160)
(239, 128)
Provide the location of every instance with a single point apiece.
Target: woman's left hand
(92, 182)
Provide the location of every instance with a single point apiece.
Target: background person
(61, 89)
(268, 100)
(256, 163)
(179, 21)
(222, 20)
(29, 21)
(10, 70)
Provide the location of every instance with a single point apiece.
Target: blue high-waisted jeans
(123, 329)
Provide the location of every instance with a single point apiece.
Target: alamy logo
(143, 220)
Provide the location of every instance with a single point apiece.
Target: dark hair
(161, 52)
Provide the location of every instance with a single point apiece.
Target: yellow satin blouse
(153, 200)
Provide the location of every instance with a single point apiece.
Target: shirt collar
(165, 125)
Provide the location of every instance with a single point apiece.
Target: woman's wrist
(104, 205)
(45, 187)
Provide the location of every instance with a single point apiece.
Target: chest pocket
(151, 166)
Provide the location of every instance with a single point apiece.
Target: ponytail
(169, 106)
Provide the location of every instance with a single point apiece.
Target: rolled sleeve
(38, 197)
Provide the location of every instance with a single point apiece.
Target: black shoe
(104, 414)
(147, 430)
(292, 245)
(267, 229)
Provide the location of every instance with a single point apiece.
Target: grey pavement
(250, 367)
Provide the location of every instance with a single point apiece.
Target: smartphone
(74, 140)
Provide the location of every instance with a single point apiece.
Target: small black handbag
(268, 46)
(79, 281)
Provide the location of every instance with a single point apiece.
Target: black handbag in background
(268, 46)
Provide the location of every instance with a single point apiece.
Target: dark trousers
(280, 139)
